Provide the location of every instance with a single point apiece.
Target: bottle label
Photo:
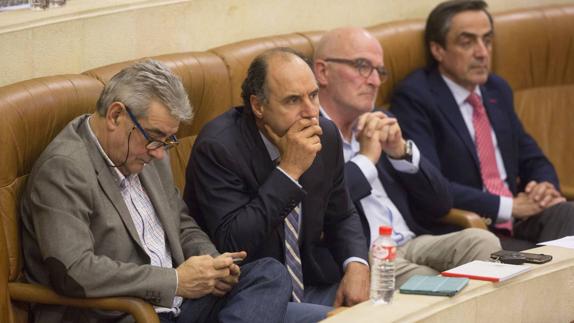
(384, 252)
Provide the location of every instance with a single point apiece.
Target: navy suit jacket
(429, 115)
(241, 199)
(422, 197)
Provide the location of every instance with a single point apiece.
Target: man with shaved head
(268, 178)
(390, 182)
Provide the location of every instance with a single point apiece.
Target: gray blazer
(78, 236)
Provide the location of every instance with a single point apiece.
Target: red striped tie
(485, 150)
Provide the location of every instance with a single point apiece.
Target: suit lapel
(450, 109)
(108, 184)
(311, 183)
(261, 164)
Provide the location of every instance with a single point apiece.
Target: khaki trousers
(431, 254)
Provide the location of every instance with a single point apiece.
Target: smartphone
(517, 257)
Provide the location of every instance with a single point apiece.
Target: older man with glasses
(390, 182)
(102, 217)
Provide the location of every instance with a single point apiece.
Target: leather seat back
(32, 113)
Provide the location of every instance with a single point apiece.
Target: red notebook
(486, 270)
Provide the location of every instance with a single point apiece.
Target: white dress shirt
(378, 207)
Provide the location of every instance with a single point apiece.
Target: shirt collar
(460, 94)
(271, 148)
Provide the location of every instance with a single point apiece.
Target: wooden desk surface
(544, 294)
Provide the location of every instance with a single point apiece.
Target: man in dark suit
(255, 166)
(101, 217)
(463, 119)
(390, 182)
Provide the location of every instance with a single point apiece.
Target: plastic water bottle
(382, 262)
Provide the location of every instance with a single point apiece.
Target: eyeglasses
(363, 66)
(153, 144)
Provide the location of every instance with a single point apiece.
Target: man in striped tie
(268, 178)
(463, 119)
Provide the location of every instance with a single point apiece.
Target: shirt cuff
(404, 166)
(504, 209)
(366, 166)
(291, 178)
(354, 259)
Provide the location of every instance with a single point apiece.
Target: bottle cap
(385, 231)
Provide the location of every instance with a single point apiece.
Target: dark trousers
(553, 223)
(262, 294)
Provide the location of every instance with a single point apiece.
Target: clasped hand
(377, 132)
(202, 275)
(536, 197)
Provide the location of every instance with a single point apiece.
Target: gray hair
(138, 85)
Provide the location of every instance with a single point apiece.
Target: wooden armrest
(142, 311)
(568, 192)
(336, 311)
(464, 219)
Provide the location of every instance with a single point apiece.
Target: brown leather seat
(534, 52)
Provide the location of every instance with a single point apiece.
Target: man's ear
(114, 114)
(256, 106)
(437, 51)
(320, 70)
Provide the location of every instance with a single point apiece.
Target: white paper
(566, 242)
(485, 270)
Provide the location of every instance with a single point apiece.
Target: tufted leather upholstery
(534, 51)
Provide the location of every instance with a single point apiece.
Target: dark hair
(439, 21)
(255, 82)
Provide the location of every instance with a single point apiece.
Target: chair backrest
(534, 52)
(32, 113)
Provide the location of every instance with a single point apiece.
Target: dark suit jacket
(78, 235)
(429, 115)
(422, 197)
(241, 199)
